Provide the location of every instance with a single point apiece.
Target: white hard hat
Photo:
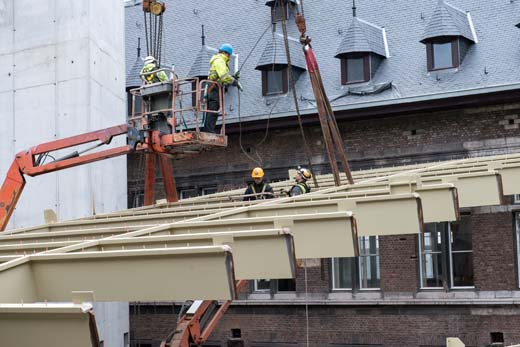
(149, 59)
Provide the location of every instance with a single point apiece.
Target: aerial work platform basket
(173, 111)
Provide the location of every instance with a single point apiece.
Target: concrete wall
(61, 74)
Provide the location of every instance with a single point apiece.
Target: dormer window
(443, 54)
(448, 37)
(363, 48)
(355, 68)
(274, 66)
(275, 80)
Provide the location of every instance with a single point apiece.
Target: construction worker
(150, 65)
(264, 190)
(301, 187)
(218, 72)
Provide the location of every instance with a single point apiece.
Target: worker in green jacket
(149, 77)
(218, 72)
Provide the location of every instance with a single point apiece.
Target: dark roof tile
(200, 66)
(274, 53)
(449, 21)
(362, 36)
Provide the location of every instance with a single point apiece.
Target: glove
(239, 86)
(237, 75)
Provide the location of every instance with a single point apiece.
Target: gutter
(389, 102)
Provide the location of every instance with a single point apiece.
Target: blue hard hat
(226, 47)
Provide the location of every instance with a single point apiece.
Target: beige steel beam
(320, 235)
(169, 274)
(56, 325)
(249, 249)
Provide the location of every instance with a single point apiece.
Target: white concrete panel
(74, 193)
(6, 132)
(107, 27)
(39, 194)
(72, 19)
(112, 321)
(34, 114)
(106, 70)
(35, 23)
(34, 67)
(73, 107)
(6, 72)
(34, 111)
(73, 59)
(6, 26)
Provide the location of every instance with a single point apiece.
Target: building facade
(409, 84)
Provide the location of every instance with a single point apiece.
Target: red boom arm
(28, 163)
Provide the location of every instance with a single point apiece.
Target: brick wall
(420, 137)
(399, 263)
(493, 251)
(389, 326)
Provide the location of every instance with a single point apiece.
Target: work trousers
(210, 118)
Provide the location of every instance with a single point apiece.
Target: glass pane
(432, 275)
(461, 235)
(274, 81)
(442, 55)
(355, 69)
(342, 269)
(369, 272)
(462, 269)
(262, 285)
(287, 285)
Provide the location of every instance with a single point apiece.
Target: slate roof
(132, 78)
(448, 20)
(362, 36)
(274, 53)
(327, 21)
(200, 66)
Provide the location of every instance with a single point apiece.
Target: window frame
(447, 256)
(357, 271)
(285, 79)
(255, 286)
(366, 67)
(335, 288)
(516, 199)
(368, 255)
(455, 52)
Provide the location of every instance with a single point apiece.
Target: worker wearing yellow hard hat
(258, 189)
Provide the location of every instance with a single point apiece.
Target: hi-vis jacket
(153, 77)
(219, 70)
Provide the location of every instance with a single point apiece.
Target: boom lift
(162, 128)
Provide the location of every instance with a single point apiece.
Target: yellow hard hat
(257, 172)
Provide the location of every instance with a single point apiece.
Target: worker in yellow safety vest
(301, 187)
(258, 189)
(147, 73)
(218, 72)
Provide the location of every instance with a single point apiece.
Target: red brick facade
(361, 318)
